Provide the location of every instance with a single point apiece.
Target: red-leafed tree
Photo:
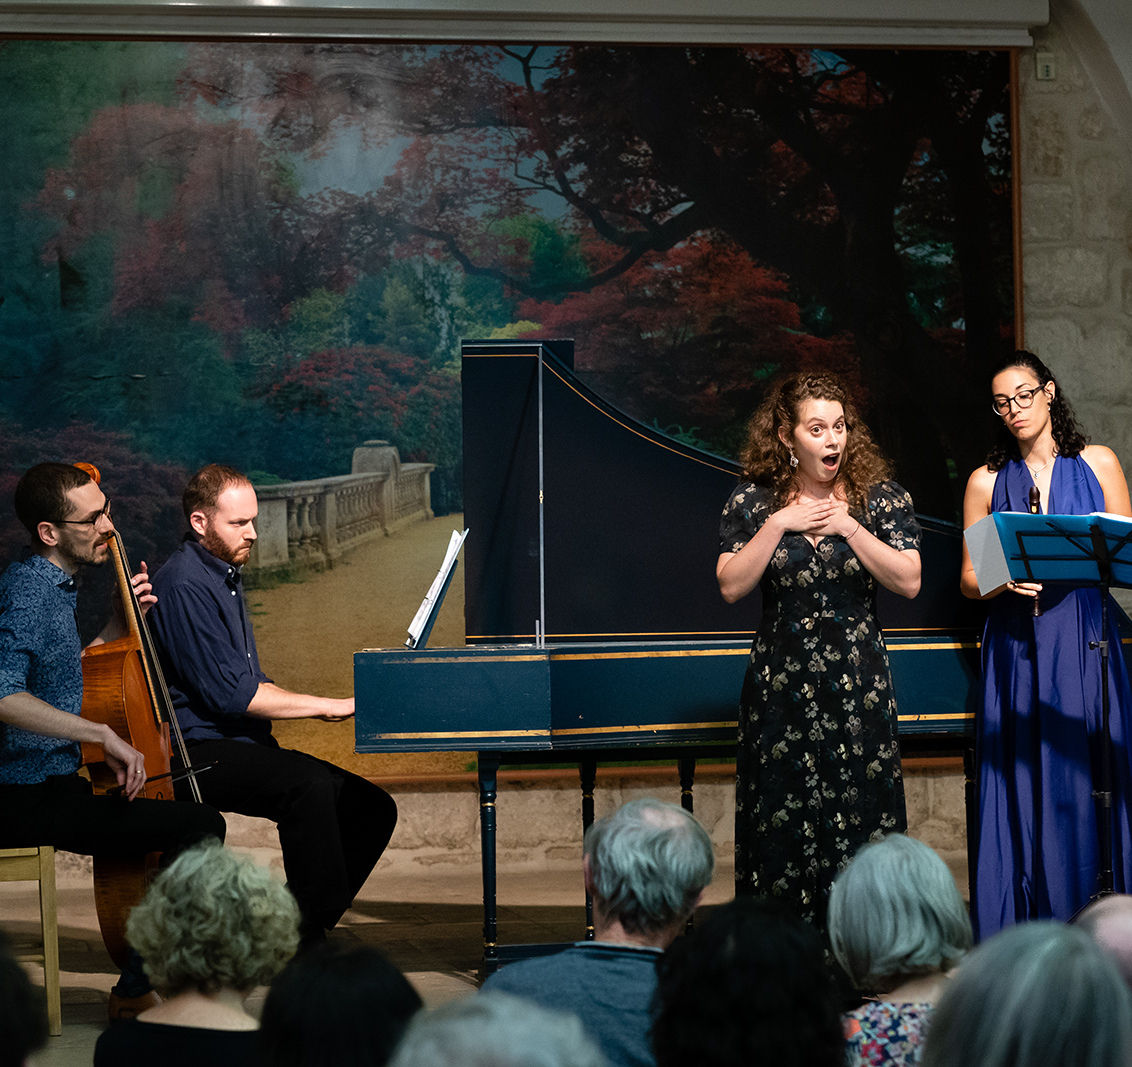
(689, 338)
(807, 161)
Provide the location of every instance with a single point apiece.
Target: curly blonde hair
(766, 460)
(213, 920)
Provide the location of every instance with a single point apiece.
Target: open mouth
(830, 462)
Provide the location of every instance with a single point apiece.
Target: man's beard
(86, 555)
(237, 557)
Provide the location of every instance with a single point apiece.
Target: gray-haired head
(496, 1030)
(1108, 921)
(895, 912)
(649, 862)
(1040, 994)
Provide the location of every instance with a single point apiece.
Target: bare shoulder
(977, 498)
(981, 482)
(1102, 459)
(1104, 464)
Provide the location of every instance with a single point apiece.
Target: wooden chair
(38, 865)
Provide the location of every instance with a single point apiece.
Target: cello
(124, 688)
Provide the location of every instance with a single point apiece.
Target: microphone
(1035, 508)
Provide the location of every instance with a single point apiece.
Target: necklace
(1034, 473)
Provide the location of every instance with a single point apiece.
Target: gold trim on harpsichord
(454, 735)
(488, 657)
(935, 646)
(658, 727)
(650, 654)
(716, 637)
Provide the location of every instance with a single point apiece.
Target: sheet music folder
(1014, 545)
(421, 626)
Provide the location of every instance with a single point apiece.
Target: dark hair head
(23, 1011)
(41, 494)
(207, 484)
(1067, 433)
(766, 460)
(748, 985)
(336, 1005)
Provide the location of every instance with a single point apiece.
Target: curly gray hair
(213, 920)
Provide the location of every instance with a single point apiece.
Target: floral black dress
(818, 765)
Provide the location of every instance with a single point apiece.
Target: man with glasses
(43, 799)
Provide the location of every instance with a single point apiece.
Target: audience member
(336, 1005)
(1108, 921)
(211, 928)
(496, 1030)
(23, 1011)
(646, 866)
(749, 985)
(897, 925)
(1040, 994)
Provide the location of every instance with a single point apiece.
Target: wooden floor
(429, 922)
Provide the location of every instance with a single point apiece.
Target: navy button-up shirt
(39, 654)
(205, 643)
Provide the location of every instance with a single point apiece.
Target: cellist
(43, 799)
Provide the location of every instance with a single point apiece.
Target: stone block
(1061, 277)
(429, 818)
(1103, 193)
(1045, 143)
(1091, 368)
(1057, 340)
(1047, 213)
(1093, 124)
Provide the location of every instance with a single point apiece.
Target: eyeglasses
(92, 522)
(1024, 398)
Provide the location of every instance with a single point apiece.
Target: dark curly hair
(766, 460)
(1067, 433)
(748, 985)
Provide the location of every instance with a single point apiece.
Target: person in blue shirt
(646, 866)
(43, 799)
(333, 825)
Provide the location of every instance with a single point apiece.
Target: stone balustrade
(308, 525)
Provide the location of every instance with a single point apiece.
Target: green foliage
(317, 321)
(514, 330)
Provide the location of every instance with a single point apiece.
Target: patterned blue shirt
(40, 653)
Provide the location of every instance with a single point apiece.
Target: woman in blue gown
(1038, 739)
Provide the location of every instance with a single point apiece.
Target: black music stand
(1082, 550)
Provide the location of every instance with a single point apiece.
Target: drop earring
(793, 458)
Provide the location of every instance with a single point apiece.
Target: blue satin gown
(1038, 739)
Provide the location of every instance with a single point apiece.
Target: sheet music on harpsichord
(421, 626)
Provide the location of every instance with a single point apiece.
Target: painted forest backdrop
(265, 254)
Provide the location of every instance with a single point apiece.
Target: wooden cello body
(123, 688)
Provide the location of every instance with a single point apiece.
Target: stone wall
(539, 817)
(1075, 167)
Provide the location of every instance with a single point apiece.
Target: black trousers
(63, 811)
(333, 825)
